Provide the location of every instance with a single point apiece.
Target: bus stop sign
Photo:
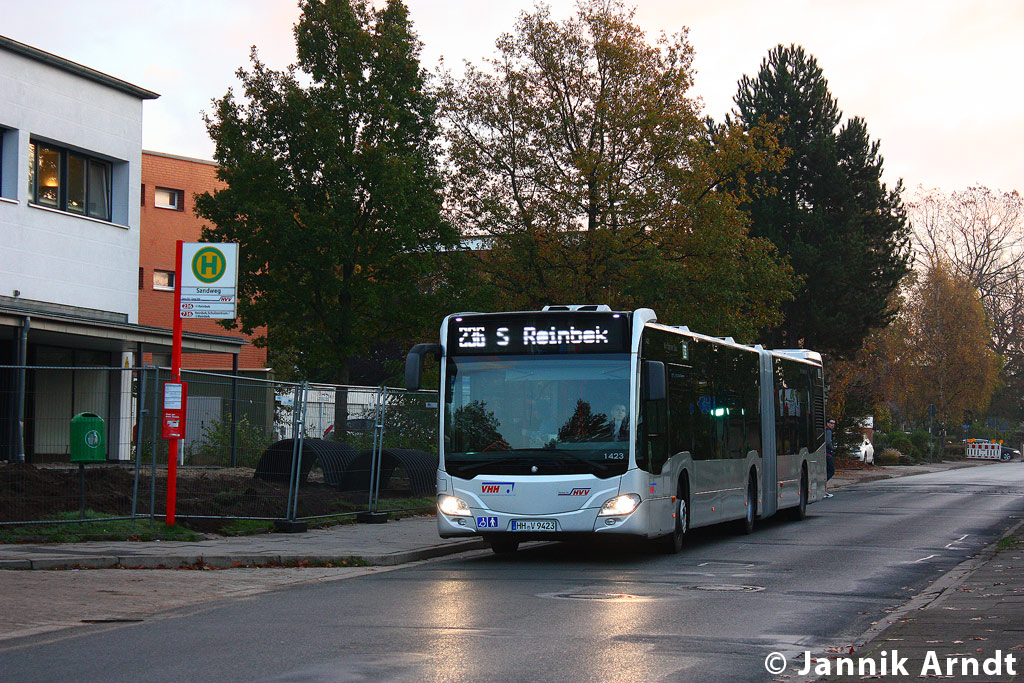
(175, 402)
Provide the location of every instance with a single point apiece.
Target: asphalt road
(559, 613)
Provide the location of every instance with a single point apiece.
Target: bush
(955, 451)
(921, 440)
(900, 441)
(881, 441)
(890, 456)
(214, 447)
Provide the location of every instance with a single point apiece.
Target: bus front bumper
(484, 522)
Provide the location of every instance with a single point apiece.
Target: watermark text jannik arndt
(890, 663)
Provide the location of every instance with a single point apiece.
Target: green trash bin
(88, 440)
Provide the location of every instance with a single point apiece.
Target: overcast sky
(938, 81)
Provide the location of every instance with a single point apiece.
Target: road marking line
(949, 546)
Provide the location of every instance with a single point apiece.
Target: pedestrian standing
(830, 461)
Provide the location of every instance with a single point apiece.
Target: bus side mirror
(653, 380)
(414, 364)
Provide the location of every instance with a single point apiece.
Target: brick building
(169, 184)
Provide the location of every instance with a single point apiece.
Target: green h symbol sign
(208, 264)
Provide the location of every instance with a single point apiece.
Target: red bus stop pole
(172, 444)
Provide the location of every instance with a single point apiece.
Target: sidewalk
(395, 542)
(974, 613)
(845, 478)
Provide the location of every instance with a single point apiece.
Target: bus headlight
(452, 506)
(620, 505)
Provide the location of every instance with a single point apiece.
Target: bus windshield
(564, 414)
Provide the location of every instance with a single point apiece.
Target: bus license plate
(534, 525)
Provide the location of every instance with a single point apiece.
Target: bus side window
(818, 401)
(734, 425)
(751, 378)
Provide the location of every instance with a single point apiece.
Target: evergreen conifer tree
(827, 209)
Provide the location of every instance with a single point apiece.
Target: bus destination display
(600, 333)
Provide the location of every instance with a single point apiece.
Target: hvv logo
(575, 492)
(497, 488)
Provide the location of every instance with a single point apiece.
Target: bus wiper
(569, 455)
(479, 464)
(530, 455)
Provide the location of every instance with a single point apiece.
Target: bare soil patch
(35, 493)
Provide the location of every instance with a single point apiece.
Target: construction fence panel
(379, 453)
(49, 473)
(254, 448)
(223, 471)
(407, 463)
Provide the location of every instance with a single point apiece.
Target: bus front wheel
(673, 542)
(504, 546)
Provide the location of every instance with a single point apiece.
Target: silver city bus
(580, 420)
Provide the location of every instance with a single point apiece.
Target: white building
(70, 181)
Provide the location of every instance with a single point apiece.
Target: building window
(142, 195)
(163, 280)
(8, 163)
(168, 199)
(142, 277)
(3, 160)
(69, 181)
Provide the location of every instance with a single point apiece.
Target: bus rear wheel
(746, 525)
(800, 511)
(504, 546)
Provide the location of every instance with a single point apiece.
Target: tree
(583, 424)
(332, 187)
(980, 234)
(936, 352)
(475, 428)
(580, 161)
(826, 209)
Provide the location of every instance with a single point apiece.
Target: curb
(15, 564)
(221, 561)
(430, 552)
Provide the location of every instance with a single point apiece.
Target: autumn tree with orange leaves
(979, 232)
(579, 158)
(937, 352)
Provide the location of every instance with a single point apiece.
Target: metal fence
(253, 448)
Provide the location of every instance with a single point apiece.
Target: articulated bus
(578, 421)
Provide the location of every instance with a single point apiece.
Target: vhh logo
(499, 488)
